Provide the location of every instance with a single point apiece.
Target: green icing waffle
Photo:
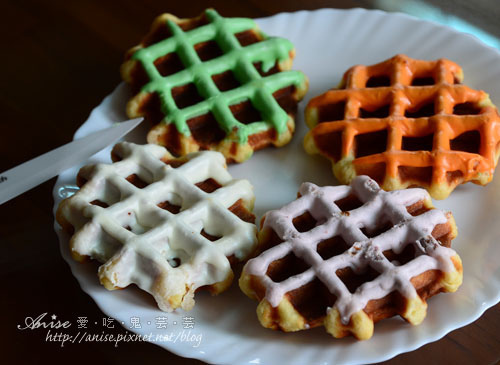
(236, 58)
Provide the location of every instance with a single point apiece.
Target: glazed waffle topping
(236, 58)
(140, 238)
(410, 118)
(364, 252)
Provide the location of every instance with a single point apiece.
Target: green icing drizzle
(239, 59)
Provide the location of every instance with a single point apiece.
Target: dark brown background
(59, 59)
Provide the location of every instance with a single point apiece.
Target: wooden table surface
(60, 58)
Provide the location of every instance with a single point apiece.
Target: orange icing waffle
(406, 122)
(170, 226)
(348, 256)
(214, 83)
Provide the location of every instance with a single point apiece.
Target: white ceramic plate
(327, 43)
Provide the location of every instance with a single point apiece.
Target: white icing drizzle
(378, 206)
(142, 255)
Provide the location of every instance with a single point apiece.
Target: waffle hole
(209, 236)
(382, 112)
(330, 144)
(312, 310)
(138, 77)
(353, 281)
(304, 222)
(290, 265)
(417, 174)
(173, 205)
(176, 162)
(454, 177)
(138, 229)
(466, 109)
(238, 209)
(226, 81)
(205, 130)
(423, 143)
(375, 170)
(99, 203)
(422, 81)
(331, 112)
(332, 247)
(286, 100)
(174, 262)
(417, 208)
(135, 180)
(272, 70)
(272, 239)
(245, 112)
(401, 258)
(467, 142)
(370, 233)
(209, 185)
(421, 111)
(371, 143)
(208, 50)
(172, 208)
(151, 108)
(186, 95)
(378, 81)
(348, 203)
(169, 64)
(247, 38)
(259, 140)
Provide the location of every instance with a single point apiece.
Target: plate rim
(208, 357)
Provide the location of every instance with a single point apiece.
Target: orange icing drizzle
(402, 96)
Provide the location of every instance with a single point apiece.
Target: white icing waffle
(166, 254)
(363, 252)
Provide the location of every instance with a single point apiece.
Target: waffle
(406, 122)
(348, 256)
(168, 225)
(214, 83)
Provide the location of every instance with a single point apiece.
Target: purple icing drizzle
(378, 206)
